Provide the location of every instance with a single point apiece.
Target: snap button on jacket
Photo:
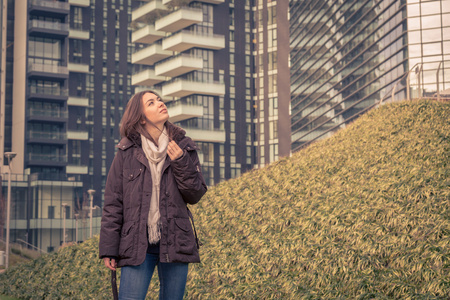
(128, 191)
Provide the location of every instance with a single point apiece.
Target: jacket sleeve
(112, 217)
(189, 177)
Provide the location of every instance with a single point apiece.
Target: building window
(51, 212)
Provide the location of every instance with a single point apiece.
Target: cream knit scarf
(156, 156)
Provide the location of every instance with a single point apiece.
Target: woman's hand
(174, 151)
(110, 263)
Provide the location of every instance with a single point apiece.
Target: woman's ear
(142, 121)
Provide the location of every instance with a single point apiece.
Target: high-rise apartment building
(222, 68)
(67, 82)
(348, 55)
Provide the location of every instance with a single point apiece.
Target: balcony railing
(205, 135)
(147, 10)
(185, 40)
(78, 101)
(83, 3)
(51, 4)
(77, 135)
(183, 88)
(49, 91)
(150, 55)
(181, 111)
(45, 68)
(39, 24)
(78, 68)
(147, 78)
(45, 135)
(179, 19)
(47, 157)
(179, 65)
(147, 35)
(166, 2)
(74, 169)
(48, 113)
(78, 34)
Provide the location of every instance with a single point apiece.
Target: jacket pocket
(126, 240)
(131, 174)
(184, 237)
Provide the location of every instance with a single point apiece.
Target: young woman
(146, 222)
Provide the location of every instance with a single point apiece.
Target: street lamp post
(64, 222)
(91, 194)
(76, 227)
(9, 156)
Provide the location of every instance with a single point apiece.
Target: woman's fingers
(110, 263)
(174, 151)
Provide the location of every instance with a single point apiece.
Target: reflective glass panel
(415, 50)
(431, 21)
(446, 20)
(413, 23)
(414, 37)
(431, 35)
(446, 6)
(432, 49)
(413, 10)
(432, 7)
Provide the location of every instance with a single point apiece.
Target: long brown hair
(133, 116)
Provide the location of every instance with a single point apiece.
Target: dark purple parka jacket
(128, 192)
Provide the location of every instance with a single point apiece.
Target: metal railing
(51, 4)
(55, 113)
(48, 25)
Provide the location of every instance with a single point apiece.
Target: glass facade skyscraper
(347, 55)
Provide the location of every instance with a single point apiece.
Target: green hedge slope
(364, 214)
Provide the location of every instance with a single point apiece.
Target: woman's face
(154, 109)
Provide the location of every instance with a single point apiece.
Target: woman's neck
(155, 132)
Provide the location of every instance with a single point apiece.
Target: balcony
(47, 70)
(46, 137)
(182, 18)
(78, 34)
(166, 2)
(150, 55)
(78, 101)
(71, 169)
(82, 3)
(53, 93)
(147, 35)
(50, 8)
(179, 65)
(186, 39)
(78, 68)
(182, 111)
(77, 135)
(47, 115)
(142, 88)
(47, 159)
(183, 88)
(205, 135)
(147, 78)
(48, 29)
(147, 11)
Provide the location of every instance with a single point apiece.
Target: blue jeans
(134, 280)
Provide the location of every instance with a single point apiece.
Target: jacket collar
(179, 136)
(124, 144)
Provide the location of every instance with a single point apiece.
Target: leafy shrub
(364, 214)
